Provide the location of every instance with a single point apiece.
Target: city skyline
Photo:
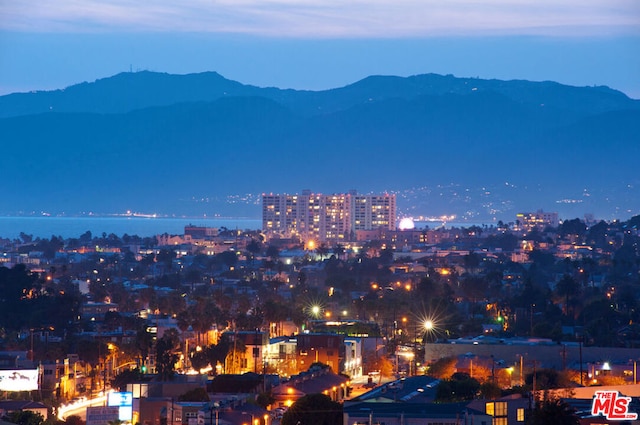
(147, 137)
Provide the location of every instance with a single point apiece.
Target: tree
(227, 258)
(74, 420)
(442, 368)
(302, 278)
(339, 251)
(567, 286)
(26, 238)
(547, 379)
(125, 377)
(386, 256)
(475, 288)
(275, 312)
(374, 362)
(273, 252)
(166, 356)
(490, 390)
(218, 353)
(314, 409)
(555, 412)
(15, 283)
(264, 400)
(90, 350)
(206, 313)
(597, 235)
(196, 394)
(472, 261)
(25, 417)
(143, 341)
(322, 250)
(460, 387)
(253, 248)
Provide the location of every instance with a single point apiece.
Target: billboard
(19, 380)
(101, 415)
(124, 402)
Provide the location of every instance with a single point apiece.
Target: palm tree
(166, 356)
(323, 250)
(566, 287)
(275, 312)
(339, 251)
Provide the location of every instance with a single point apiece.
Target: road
(79, 407)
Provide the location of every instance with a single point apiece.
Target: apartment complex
(327, 218)
(539, 220)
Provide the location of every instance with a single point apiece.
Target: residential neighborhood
(393, 325)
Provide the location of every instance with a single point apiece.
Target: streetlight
(510, 372)
(315, 310)
(428, 325)
(214, 408)
(429, 329)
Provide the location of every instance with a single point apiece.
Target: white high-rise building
(373, 212)
(538, 219)
(327, 218)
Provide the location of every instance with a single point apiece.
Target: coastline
(143, 226)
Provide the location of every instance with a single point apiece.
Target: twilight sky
(304, 44)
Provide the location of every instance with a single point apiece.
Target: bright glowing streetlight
(510, 372)
(315, 310)
(428, 325)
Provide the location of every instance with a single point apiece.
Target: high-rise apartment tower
(327, 218)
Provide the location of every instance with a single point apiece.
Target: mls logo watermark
(612, 405)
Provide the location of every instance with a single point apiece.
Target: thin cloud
(326, 18)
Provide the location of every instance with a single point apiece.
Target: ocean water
(73, 227)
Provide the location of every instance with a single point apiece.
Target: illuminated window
(489, 409)
(520, 415)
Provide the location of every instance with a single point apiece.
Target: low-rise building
(414, 414)
(322, 348)
(317, 380)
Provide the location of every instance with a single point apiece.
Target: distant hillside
(126, 92)
(199, 143)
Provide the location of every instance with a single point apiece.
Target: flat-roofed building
(327, 218)
(372, 212)
(537, 220)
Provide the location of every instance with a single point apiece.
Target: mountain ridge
(498, 147)
(209, 86)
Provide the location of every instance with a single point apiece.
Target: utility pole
(493, 369)
(521, 376)
(534, 384)
(580, 348)
(531, 320)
